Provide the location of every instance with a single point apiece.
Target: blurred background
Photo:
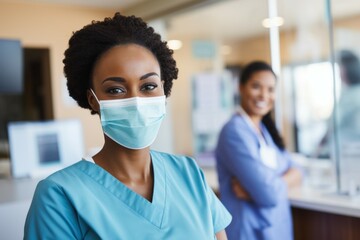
(304, 41)
(313, 46)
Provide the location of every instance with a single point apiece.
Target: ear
(92, 101)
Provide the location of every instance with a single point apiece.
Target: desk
(15, 199)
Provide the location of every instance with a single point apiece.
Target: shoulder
(236, 129)
(175, 160)
(179, 165)
(236, 123)
(236, 119)
(66, 185)
(68, 175)
(54, 186)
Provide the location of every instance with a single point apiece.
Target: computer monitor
(39, 148)
(11, 66)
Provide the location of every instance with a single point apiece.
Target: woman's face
(125, 71)
(258, 94)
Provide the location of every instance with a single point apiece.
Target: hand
(292, 177)
(238, 190)
(221, 235)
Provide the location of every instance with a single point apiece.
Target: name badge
(268, 156)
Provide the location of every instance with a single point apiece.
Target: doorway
(34, 103)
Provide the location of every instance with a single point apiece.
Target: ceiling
(111, 4)
(219, 19)
(238, 19)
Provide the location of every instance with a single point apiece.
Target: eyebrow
(149, 75)
(115, 79)
(120, 79)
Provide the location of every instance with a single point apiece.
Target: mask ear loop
(162, 85)
(95, 96)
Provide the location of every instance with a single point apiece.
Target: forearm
(238, 190)
(262, 193)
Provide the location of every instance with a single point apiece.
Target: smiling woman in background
(121, 70)
(254, 169)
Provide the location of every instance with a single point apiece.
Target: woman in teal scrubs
(254, 169)
(121, 70)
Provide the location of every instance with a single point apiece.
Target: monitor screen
(39, 148)
(11, 66)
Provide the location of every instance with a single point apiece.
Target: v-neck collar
(152, 211)
(251, 124)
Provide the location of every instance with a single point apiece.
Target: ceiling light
(273, 22)
(174, 44)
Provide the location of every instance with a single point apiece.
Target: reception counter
(325, 200)
(318, 213)
(311, 198)
(324, 215)
(15, 199)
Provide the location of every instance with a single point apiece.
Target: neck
(131, 167)
(256, 120)
(127, 165)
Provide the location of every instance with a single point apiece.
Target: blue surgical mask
(132, 122)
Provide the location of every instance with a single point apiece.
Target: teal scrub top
(83, 201)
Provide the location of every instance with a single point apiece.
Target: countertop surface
(325, 200)
(322, 199)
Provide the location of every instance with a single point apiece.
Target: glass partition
(346, 32)
(317, 86)
(320, 67)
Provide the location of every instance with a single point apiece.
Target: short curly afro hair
(88, 44)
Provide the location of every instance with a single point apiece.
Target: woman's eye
(148, 87)
(115, 90)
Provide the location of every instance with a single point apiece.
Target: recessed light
(174, 44)
(273, 22)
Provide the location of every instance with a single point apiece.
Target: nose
(133, 91)
(264, 93)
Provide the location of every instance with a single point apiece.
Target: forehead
(129, 62)
(127, 52)
(126, 56)
(263, 77)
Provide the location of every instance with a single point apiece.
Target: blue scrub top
(84, 201)
(267, 216)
